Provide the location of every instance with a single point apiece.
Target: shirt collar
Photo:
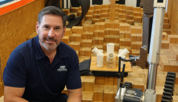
(62, 51)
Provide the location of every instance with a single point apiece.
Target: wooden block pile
(138, 14)
(123, 13)
(166, 25)
(96, 14)
(125, 36)
(104, 89)
(130, 15)
(169, 59)
(136, 39)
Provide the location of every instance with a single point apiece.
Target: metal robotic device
(152, 23)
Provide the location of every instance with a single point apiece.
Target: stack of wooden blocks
(111, 34)
(104, 89)
(169, 57)
(136, 39)
(166, 25)
(123, 13)
(130, 15)
(138, 14)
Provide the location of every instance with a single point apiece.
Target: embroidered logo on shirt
(62, 68)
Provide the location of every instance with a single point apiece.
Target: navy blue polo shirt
(29, 67)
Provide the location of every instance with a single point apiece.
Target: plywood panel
(16, 26)
(172, 15)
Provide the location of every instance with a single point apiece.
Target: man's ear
(37, 26)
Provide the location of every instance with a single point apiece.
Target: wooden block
(137, 9)
(109, 80)
(127, 35)
(111, 39)
(97, 7)
(166, 20)
(87, 96)
(95, 20)
(86, 43)
(91, 7)
(135, 52)
(75, 38)
(139, 37)
(125, 42)
(100, 80)
(136, 45)
(168, 31)
(139, 85)
(117, 39)
(98, 93)
(82, 52)
(105, 6)
(174, 67)
(116, 31)
(133, 37)
(121, 6)
(172, 39)
(124, 27)
(116, 46)
(112, 31)
(83, 81)
(74, 9)
(79, 13)
(104, 15)
(131, 22)
(138, 19)
(164, 36)
(75, 45)
(108, 94)
(68, 32)
(65, 39)
(89, 83)
(106, 38)
(66, 11)
(121, 15)
(90, 12)
(166, 26)
(88, 51)
(115, 81)
(77, 29)
(87, 35)
(88, 17)
(137, 14)
(164, 44)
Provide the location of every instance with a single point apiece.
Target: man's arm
(13, 94)
(75, 95)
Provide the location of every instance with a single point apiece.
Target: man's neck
(50, 53)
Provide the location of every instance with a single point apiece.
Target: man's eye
(46, 27)
(57, 28)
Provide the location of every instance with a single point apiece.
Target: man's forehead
(49, 19)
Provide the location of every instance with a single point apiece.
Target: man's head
(53, 11)
(50, 27)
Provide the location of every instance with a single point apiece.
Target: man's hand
(13, 94)
(75, 95)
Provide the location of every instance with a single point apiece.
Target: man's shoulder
(24, 47)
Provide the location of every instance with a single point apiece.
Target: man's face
(50, 31)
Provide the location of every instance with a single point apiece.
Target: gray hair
(54, 11)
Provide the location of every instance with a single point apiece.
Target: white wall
(131, 3)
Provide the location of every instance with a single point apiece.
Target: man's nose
(51, 33)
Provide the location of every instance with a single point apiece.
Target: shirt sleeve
(14, 74)
(74, 80)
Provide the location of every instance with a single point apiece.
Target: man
(38, 69)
